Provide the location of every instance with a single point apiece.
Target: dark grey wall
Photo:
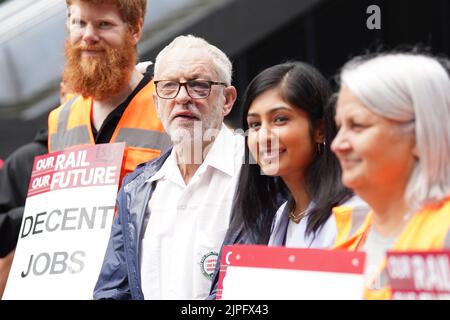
(336, 30)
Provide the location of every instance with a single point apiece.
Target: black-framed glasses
(196, 89)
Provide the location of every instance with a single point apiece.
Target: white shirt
(296, 232)
(188, 223)
(295, 235)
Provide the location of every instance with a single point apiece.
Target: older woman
(393, 144)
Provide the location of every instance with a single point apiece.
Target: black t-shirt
(112, 120)
(14, 179)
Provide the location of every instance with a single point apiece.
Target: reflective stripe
(63, 118)
(75, 136)
(57, 140)
(142, 138)
(54, 142)
(447, 241)
(359, 215)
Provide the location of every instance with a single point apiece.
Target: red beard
(101, 76)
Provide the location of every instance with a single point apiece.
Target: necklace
(297, 217)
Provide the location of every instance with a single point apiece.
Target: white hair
(413, 89)
(220, 60)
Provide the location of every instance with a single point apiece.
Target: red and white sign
(419, 275)
(66, 223)
(261, 272)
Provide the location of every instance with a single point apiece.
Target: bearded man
(173, 212)
(113, 101)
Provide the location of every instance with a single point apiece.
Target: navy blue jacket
(120, 276)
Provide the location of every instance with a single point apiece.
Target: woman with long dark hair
(291, 180)
(290, 123)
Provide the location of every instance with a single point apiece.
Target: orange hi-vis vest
(349, 219)
(139, 127)
(428, 229)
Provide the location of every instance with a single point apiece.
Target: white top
(288, 233)
(375, 248)
(188, 223)
(296, 232)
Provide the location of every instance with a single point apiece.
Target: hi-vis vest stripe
(64, 138)
(349, 220)
(428, 229)
(139, 127)
(139, 138)
(447, 240)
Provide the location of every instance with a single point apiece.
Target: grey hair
(220, 60)
(411, 89)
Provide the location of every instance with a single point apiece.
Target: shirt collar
(166, 169)
(225, 152)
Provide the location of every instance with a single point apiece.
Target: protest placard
(280, 273)
(419, 275)
(66, 224)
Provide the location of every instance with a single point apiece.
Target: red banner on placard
(76, 167)
(283, 258)
(419, 274)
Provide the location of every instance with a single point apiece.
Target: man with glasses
(173, 212)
